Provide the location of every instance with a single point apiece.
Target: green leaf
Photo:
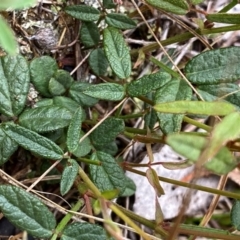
(107, 131)
(83, 231)
(55, 88)
(196, 107)
(235, 215)
(109, 4)
(230, 18)
(66, 102)
(68, 176)
(119, 20)
(89, 34)
(174, 6)
(106, 91)
(130, 188)
(26, 211)
(74, 129)
(175, 89)
(109, 175)
(117, 52)
(84, 147)
(42, 69)
(98, 61)
(45, 119)
(7, 147)
(76, 93)
(191, 147)
(15, 80)
(148, 83)
(110, 148)
(33, 141)
(196, 1)
(60, 83)
(16, 4)
(83, 12)
(225, 91)
(7, 38)
(214, 66)
(44, 102)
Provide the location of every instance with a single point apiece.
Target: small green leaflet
(15, 80)
(83, 231)
(117, 52)
(7, 38)
(26, 211)
(196, 107)
(119, 20)
(45, 119)
(83, 12)
(7, 146)
(74, 130)
(175, 6)
(235, 215)
(109, 175)
(33, 142)
(42, 69)
(89, 34)
(68, 176)
(148, 83)
(214, 66)
(106, 91)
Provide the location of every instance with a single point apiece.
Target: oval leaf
(107, 131)
(98, 61)
(175, 6)
(196, 107)
(175, 89)
(83, 12)
(119, 20)
(33, 141)
(26, 211)
(16, 71)
(45, 119)
(106, 91)
(214, 66)
(68, 176)
(89, 34)
(76, 93)
(83, 147)
(42, 69)
(109, 175)
(117, 52)
(65, 102)
(235, 215)
(74, 130)
(7, 38)
(16, 4)
(148, 83)
(83, 231)
(7, 147)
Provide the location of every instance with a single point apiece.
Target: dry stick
(221, 184)
(76, 68)
(43, 175)
(100, 122)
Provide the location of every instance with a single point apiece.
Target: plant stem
(89, 183)
(229, 6)
(183, 37)
(66, 219)
(197, 124)
(189, 185)
(89, 161)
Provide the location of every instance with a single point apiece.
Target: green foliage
(65, 123)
